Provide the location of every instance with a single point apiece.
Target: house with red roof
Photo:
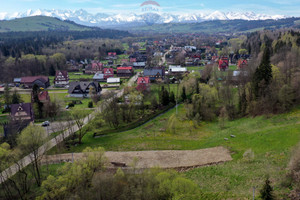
(108, 72)
(133, 60)
(94, 67)
(223, 63)
(143, 84)
(125, 71)
(43, 97)
(111, 55)
(61, 79)
(242, 63)
(30, 81)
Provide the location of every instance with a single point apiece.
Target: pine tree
(263, 74)
(16, 98)
(183, 95)
(165, 98)
(266, 192)
(52, 70)
(37, 103)
(161, 95)
(7, 97)
(197, 87)
(172, 97)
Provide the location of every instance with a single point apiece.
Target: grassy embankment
(270, 138)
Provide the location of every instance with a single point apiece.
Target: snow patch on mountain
(102, 19)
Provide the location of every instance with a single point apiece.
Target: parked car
(46, 123)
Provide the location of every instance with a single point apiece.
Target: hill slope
(40, 23)
(219, 26)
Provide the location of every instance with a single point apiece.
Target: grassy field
(270, 138)
(195, 68)
(74, 76)
(233, 67)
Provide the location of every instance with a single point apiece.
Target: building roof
(98, 75)
(108, 71)
(113, 80)
(83, 86)
(63, 73)
(153, 72)
(22, 107)
(17, 80)
(31, 79)
(124, 68)
(242, 62)
(44, 96)
(177, 68)
(139, 64)
(143, 80)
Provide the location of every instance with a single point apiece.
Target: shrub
(90, 105)
(71, 105)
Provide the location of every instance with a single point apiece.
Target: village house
(30, 81)
(61, 79)
(111, 56)
(82, 89)
(242, 63)
(238, 77)
(110, 62)
(223, 63)
(125, 71)
(139, 65)
(155, 73)
(73, 66)
(43, 97)
(113, 80)
(177, 70)
(22, 112)
(21, 116)
(138, 57)
(190, 48)
(108, 72)
(143, 84)
(99, 76)
(94, 67)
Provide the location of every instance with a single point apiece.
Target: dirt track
(162, 159)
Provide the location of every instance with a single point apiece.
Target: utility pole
(254, 192)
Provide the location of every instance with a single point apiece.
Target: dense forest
(270, 84)
(219, 26)
(40, 53)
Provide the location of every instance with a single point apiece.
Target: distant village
(155, 62)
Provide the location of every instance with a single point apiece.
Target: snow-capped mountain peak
(101, 19)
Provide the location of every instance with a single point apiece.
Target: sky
(272, 7)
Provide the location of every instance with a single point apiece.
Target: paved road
(53, 142)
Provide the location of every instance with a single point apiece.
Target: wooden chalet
(108, 72)
(61, 79)
(155, 73)
(82, 89)
(125, 71)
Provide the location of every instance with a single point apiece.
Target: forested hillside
(219, 26)
(40, 23)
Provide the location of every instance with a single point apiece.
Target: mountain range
(132, 19)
